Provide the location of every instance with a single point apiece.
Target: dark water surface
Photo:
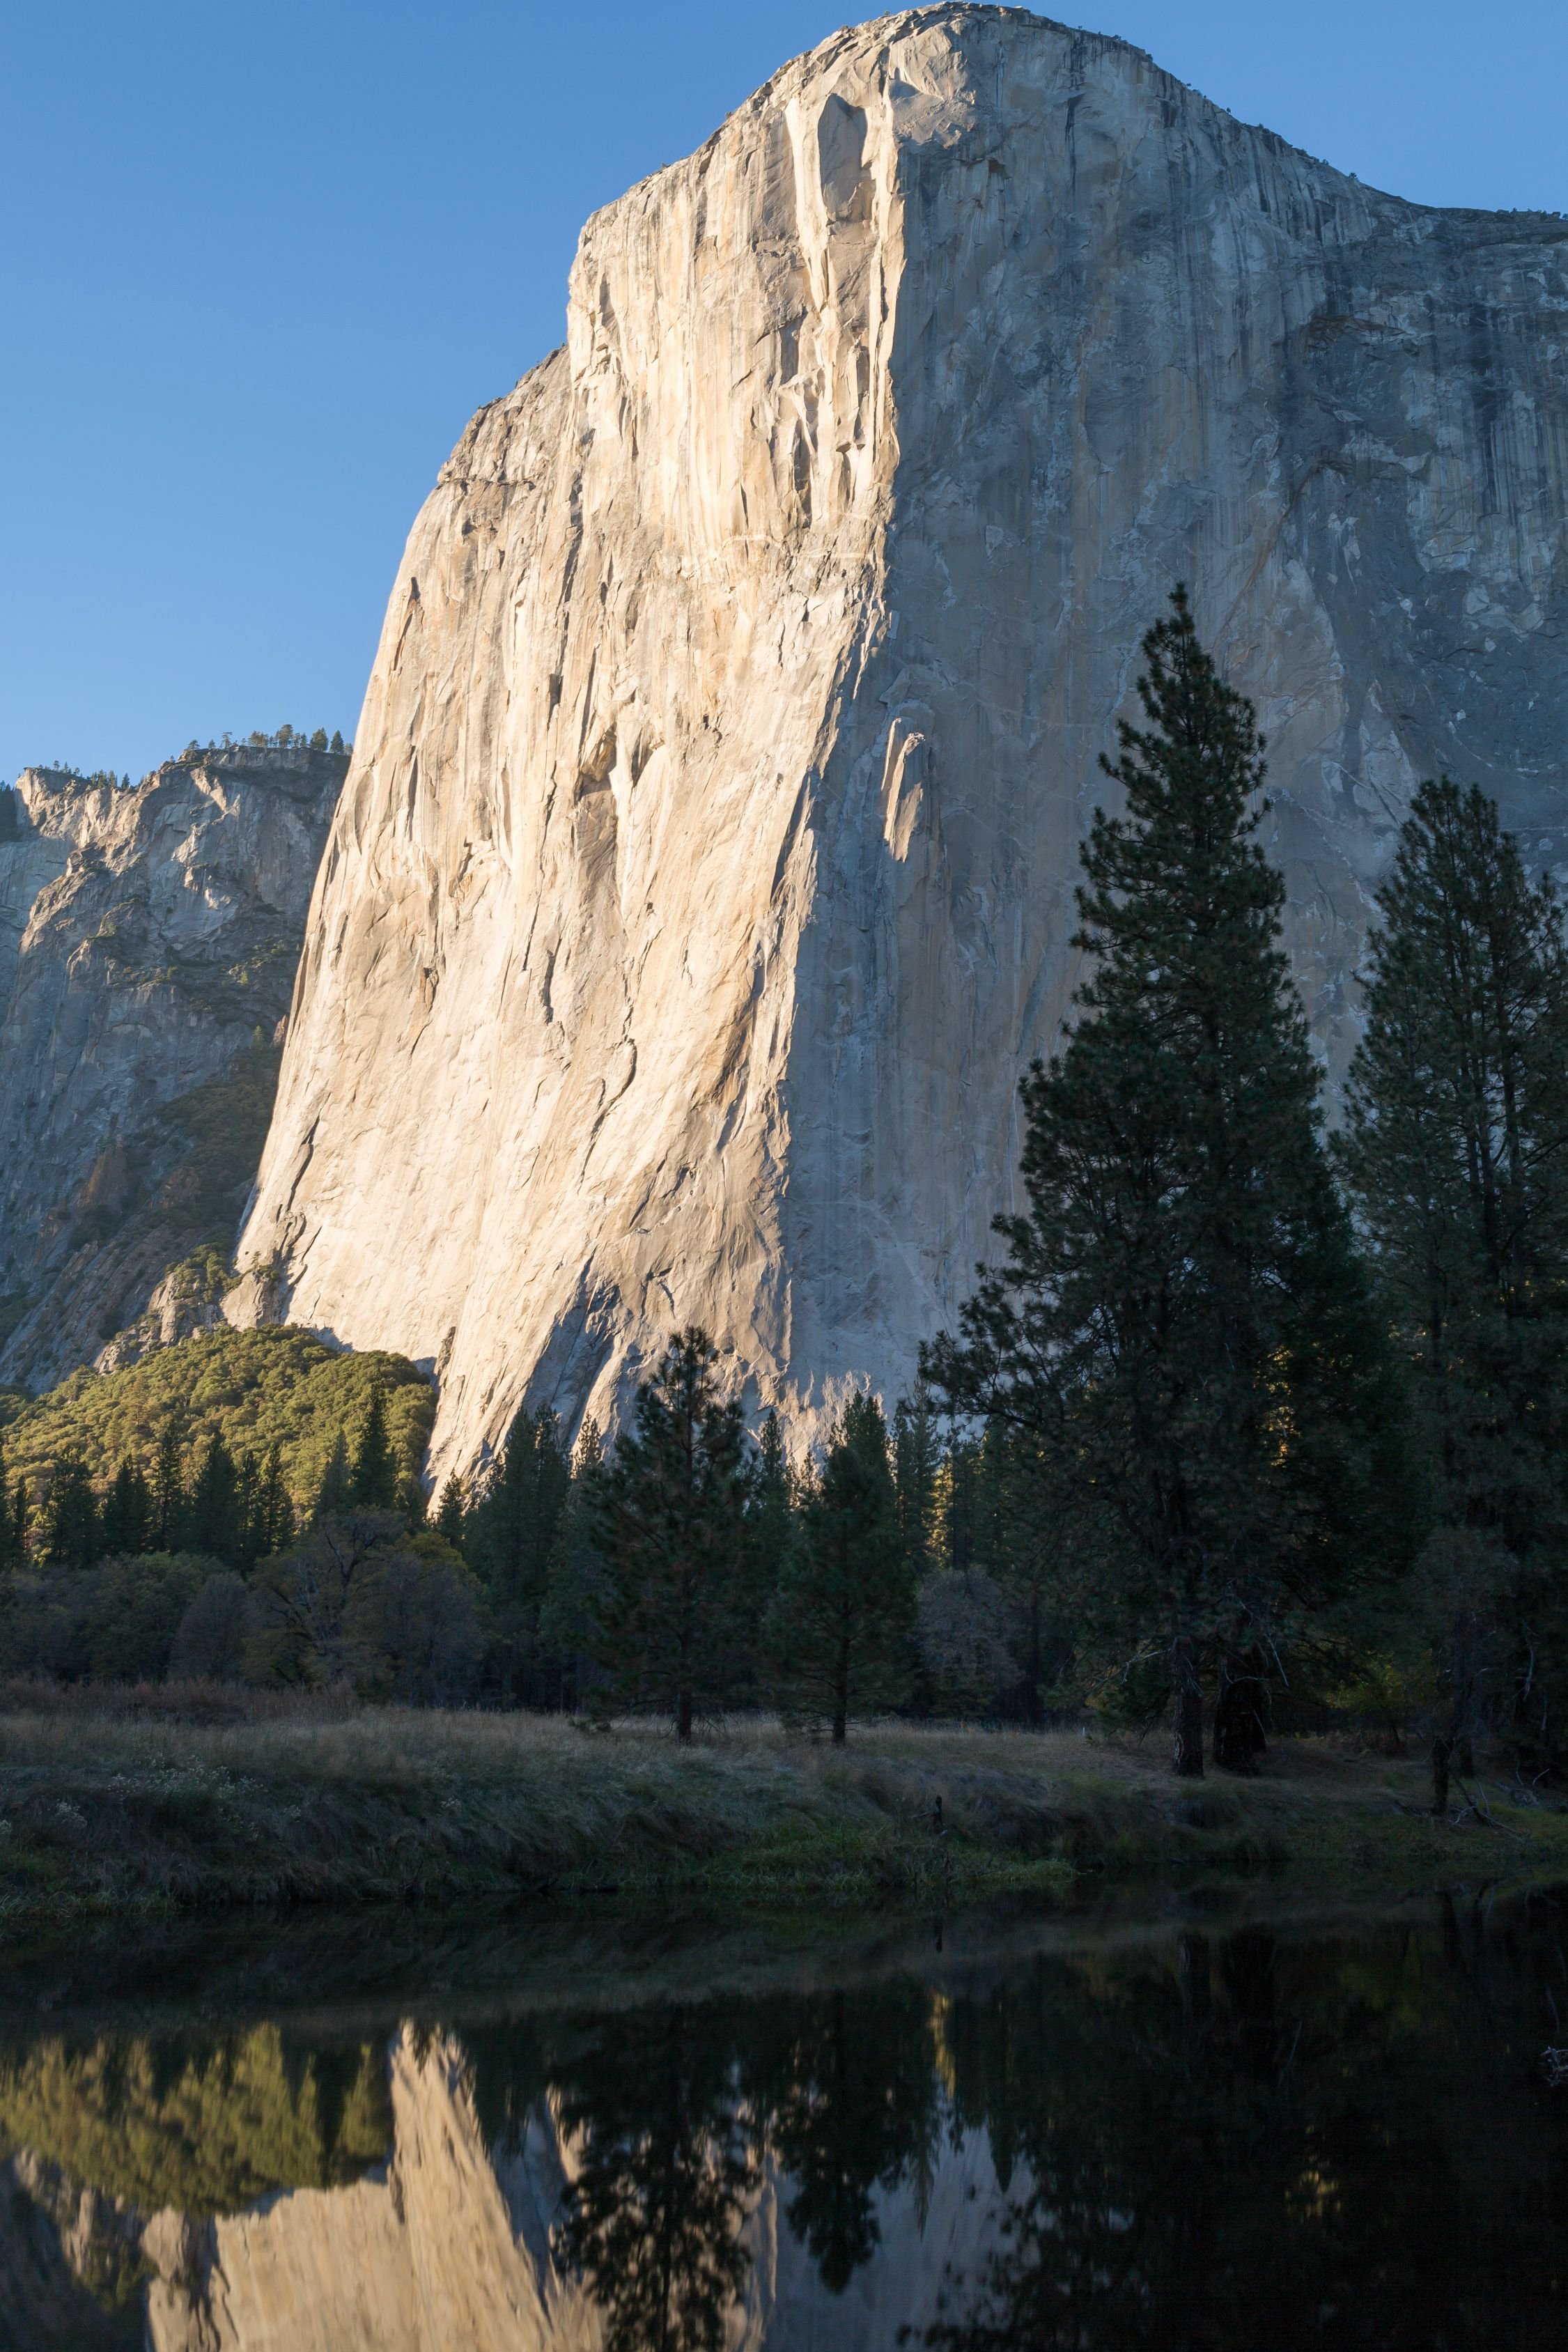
(1198, 2128)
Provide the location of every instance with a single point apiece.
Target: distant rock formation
(703, 878)
(148, 943)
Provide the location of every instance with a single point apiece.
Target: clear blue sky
(261, 259)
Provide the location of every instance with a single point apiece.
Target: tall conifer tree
(671, 1510)
(770, 1530)
(273, 1526)
(212, 1514)
(169, 1489)
(335, 1493)
(578, 1579)
(1456, 1147)
(842, 1627)
(13, 1551)
(128, 1511)
(71, 1533)
(916, 1460)
(509, 1537)
(450, 1511)
(372, 1481)
(1180, 1323)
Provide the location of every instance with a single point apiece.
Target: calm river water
(992, 2133)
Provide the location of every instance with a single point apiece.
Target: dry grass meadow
(160, 1799)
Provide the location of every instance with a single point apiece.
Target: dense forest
(1247, 1424)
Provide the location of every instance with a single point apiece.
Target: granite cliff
(148, 941)
(703, 877)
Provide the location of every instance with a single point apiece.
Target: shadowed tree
(169, 1488)
(1456, 1147)
(669, 1524)
(13, 1522)
(333, 1494)
(71, 1534)
(578, 1579)
(212, 1514)
(842, 1628)
(128, 1515)
(509, 1536)
(272, 1528)
(916, 1459)
(372, 1481)
(450, 1513)
(1181, 1325)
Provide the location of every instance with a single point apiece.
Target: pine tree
(916, 1460)
(372, 1482)
(212, 1514)
(71, 1534)
(842, 1626)
(670, 1529)
(769, 1517)
(509, 1539)
(168, 1491)
(128, 1515)
(578, 1580)
(13, 1524)
(20, 1521)
(1456, 1149)
(1181, 1325)
(246, 1512)
(272, 1527)
(333, 1495)
(450, 1511)
(1028, 1564)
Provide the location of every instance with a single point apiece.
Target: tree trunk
(1441, 1751)
(1239, 1725)
(683, 1716)
(1036, 1711)
(1186, 1728)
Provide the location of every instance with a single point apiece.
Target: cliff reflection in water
(1224, 2140)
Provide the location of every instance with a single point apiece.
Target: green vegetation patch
(206, 2130)
(253, 1389)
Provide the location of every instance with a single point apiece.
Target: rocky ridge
(147, 943)
(703, 878)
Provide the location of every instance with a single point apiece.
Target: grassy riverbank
(160, 1801)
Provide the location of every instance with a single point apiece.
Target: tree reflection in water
(1218, 2142)
(665, 2173)
(847, 2092)
(1224, 2142)
(1335, 2146)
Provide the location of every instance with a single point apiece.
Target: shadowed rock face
(703, 877)
(148, 941)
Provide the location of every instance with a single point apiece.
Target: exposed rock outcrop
(148, 943)
(704, 876)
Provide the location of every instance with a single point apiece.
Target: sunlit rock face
(703, 877)
(148, 939)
